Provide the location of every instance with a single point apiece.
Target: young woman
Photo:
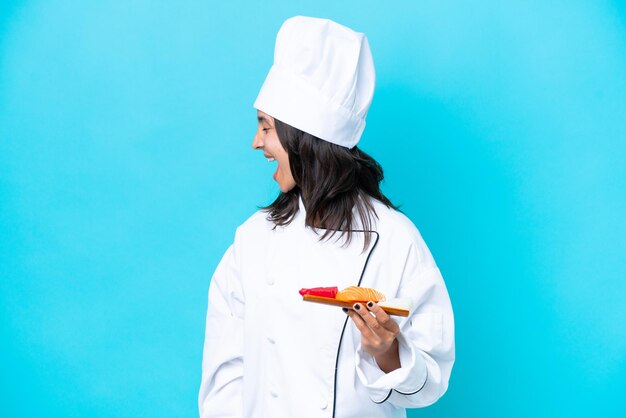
(269, 354)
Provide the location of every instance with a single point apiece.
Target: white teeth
(269, 160)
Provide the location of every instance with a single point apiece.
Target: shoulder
(399, 231)
(257, 228)
(255, 224)
(254, 229)
(395, 222)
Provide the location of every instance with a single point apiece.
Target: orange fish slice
(359, 294)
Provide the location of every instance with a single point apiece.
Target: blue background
(126, 164)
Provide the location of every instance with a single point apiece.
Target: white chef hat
(322, 80)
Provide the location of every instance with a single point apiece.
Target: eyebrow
(262, 119)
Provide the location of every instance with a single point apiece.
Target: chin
(286, 187)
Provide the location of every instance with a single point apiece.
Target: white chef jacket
(267, 353)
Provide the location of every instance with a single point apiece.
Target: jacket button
(274, 394)
(323, 404)
(270, 280)
(271, 340)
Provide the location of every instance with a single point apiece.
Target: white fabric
(322, 80)
(267, 353)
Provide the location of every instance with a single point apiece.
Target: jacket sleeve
(222, 359)
(426, 341)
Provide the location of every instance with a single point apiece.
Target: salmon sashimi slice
(360, 294)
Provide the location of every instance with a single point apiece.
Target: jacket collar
(301, 205)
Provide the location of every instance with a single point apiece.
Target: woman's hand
(378, 334)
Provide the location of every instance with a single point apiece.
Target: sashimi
(347, 297)
(326, 292)
(360, 294)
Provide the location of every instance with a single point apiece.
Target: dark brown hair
(332, 180)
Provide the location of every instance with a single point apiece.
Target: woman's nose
(256, 142)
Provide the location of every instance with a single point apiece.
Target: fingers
(360, 323)
(383, 318)
(380, 323)
(378, 331)
(371, 321)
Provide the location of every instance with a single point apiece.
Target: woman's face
(267, 140)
